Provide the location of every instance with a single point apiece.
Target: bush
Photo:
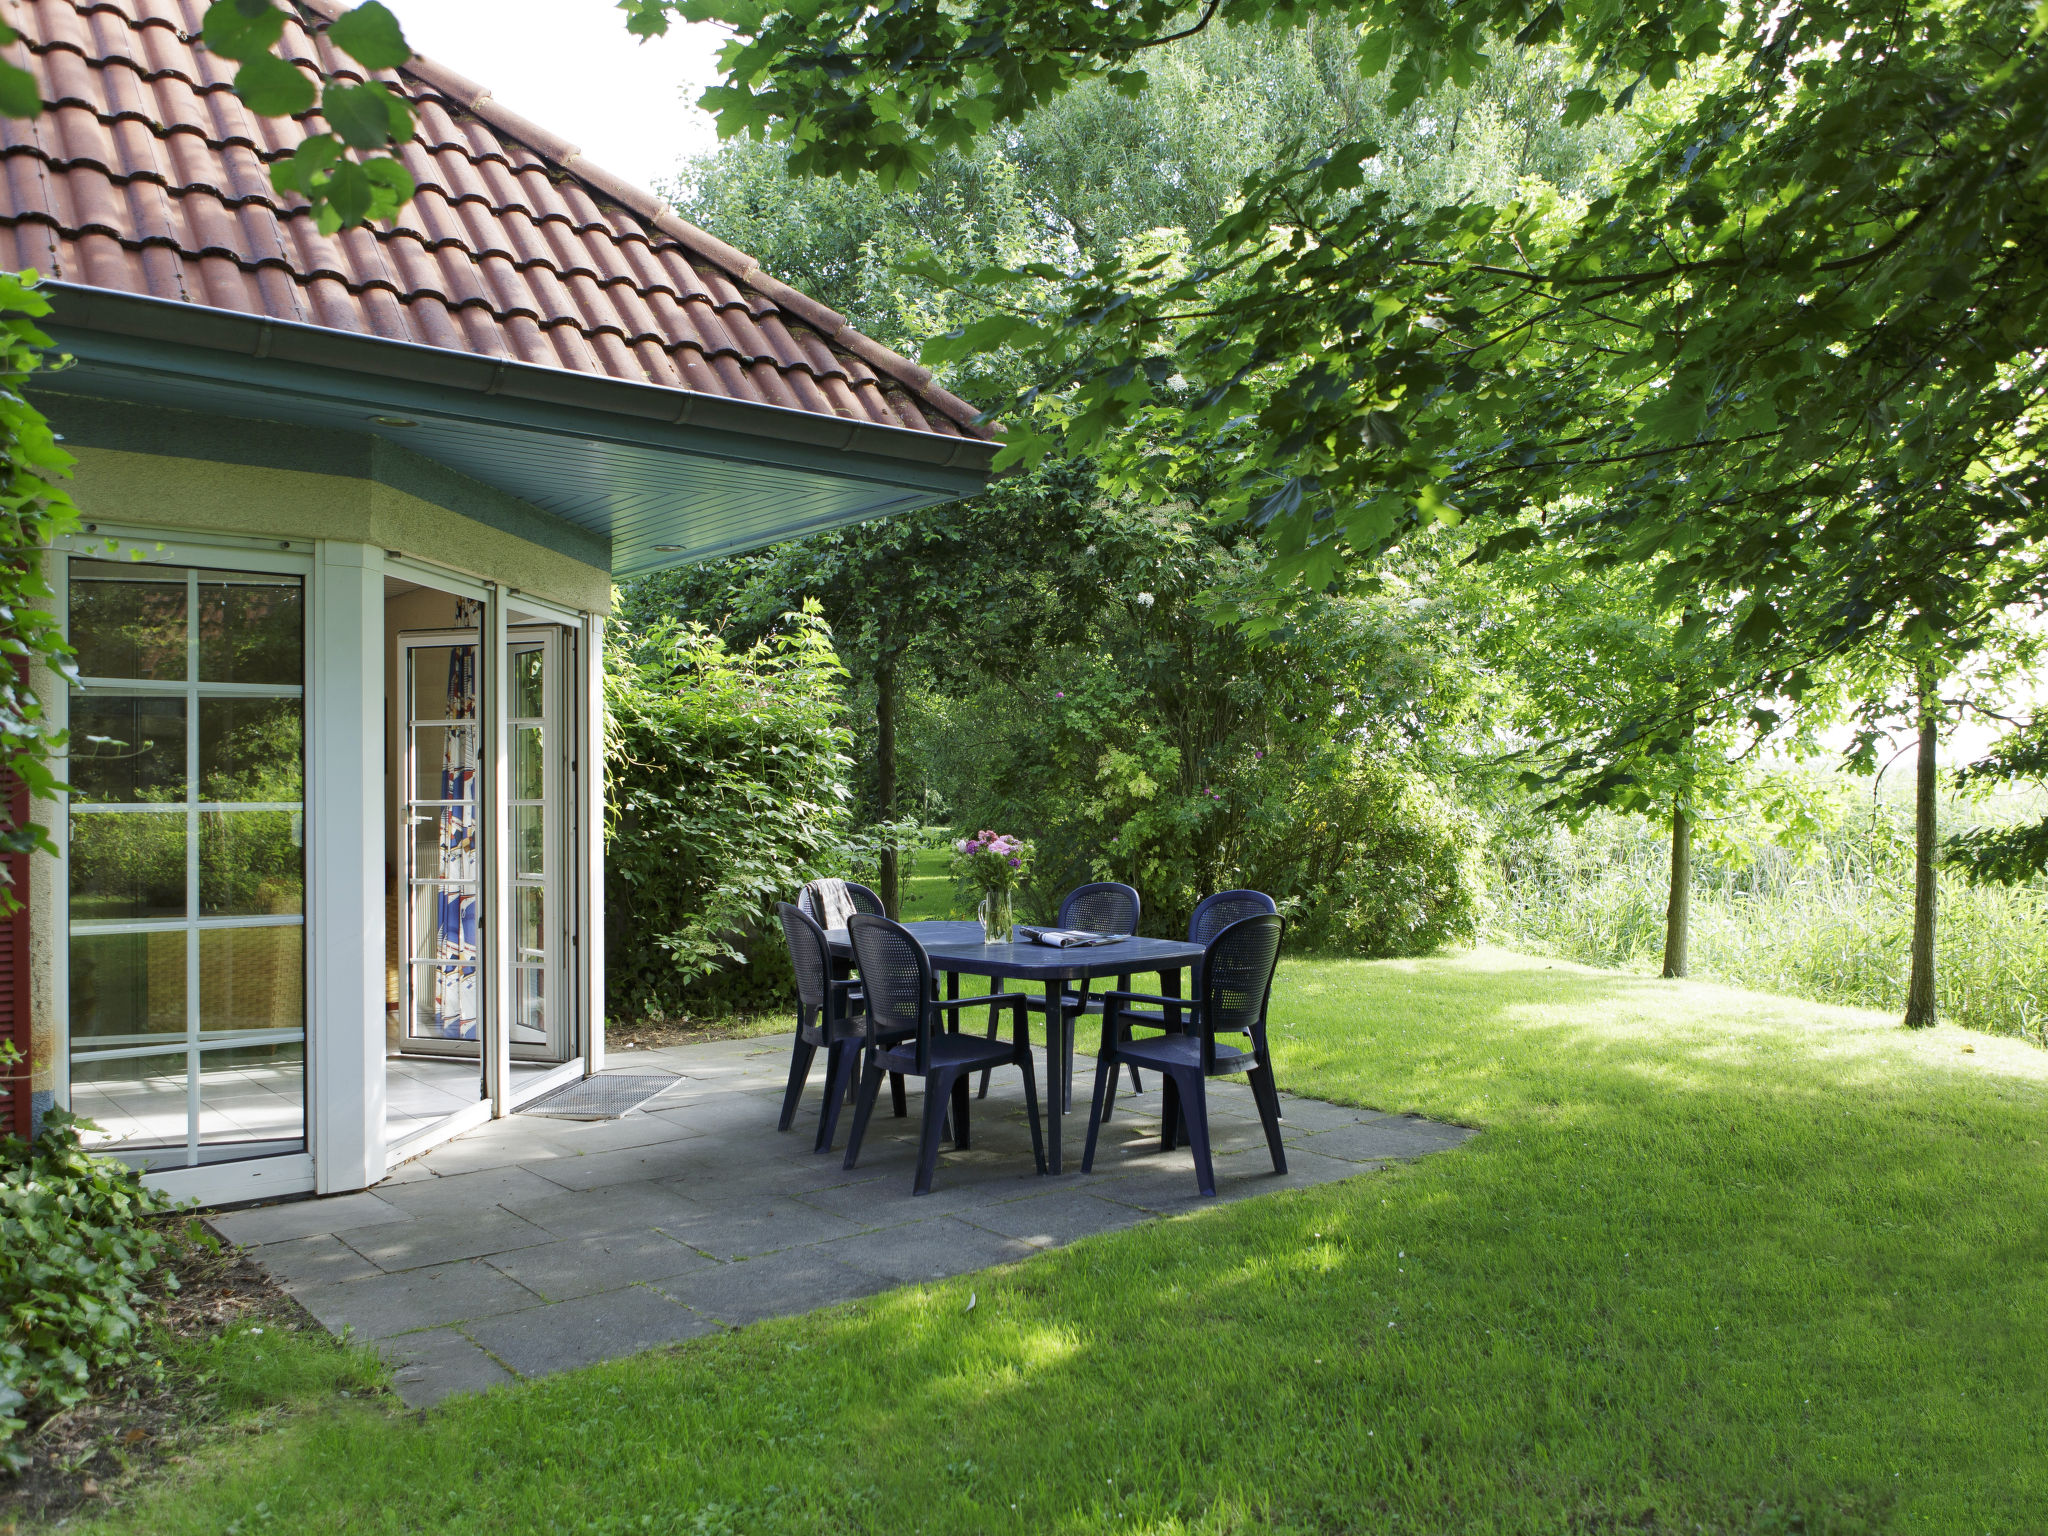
(1384, 865)
(77, 1250)
(726, 790)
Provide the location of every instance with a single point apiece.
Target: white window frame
(248, 1178)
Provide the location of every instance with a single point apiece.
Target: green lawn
(1720, 1262)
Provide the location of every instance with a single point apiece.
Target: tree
(1596, 657)
(1790, 351)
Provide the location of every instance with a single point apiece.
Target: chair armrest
(1148, 997)
(842, 981)
(976, 1002)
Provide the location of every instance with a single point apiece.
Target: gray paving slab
(532, 1245)
(388, 1305)
(627, 1165)
(438, 1363)
(1048, 1221)
(458, 1192)
(306, 1218)
(745, 1228)
(444, 1237)
(568, 1334)
(324, 1259)
(799, 1280)
(640, 1205)
(927, 1250)
(584, 1266)
(1392, 1136)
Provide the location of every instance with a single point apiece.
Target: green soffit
(657, 476)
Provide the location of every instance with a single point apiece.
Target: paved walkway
(538, 1245)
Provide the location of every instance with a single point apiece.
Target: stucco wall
(207, 496)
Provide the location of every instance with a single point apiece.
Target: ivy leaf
(371, 36)
(272, 88)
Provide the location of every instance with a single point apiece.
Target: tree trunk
(1678, 913)
(1920, 989)
(885, 772)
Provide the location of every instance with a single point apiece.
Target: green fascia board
(632, 465)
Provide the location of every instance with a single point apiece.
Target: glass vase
(996, 919)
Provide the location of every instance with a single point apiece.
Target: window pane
(127, 622)
(529, 918)
(530, 1022)
(444, 924)
(252, 749)
(527, 771)
(527, 684)
(252, 978)
(127, 865)
(138, 1104)
(444, 682)
(127, 987)
(447, 1002)
(127, 749)
(252, 629)
(251, 863)
(252, 1101)
(529, 840)
(445, 761)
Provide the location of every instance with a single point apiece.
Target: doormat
(607, 1096)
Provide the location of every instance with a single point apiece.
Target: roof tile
(150, 176)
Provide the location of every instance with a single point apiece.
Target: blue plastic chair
(1237, 984)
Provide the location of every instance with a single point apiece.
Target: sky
(570, 66)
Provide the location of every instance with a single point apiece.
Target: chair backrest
(1104, 907)
(895, 978)
(863, 898)
(1237, 979)
(808, 956)
(1215, 913)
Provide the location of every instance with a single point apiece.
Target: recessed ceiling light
(668, 549)
(394, 421)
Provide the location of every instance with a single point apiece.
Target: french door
(442, 830)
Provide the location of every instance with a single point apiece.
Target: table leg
(1055, 1071)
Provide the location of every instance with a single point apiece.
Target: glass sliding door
(186, 861)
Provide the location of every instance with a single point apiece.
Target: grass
(1721, 1262)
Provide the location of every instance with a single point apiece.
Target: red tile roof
(146, 173)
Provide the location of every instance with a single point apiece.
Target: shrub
(726, 790)
(77, 1249)
(1383, 865)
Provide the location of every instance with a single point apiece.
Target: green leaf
(20, 96)
(371, 36)
(1582, 105)
(242, 29)
(272, 88)
(366, 116)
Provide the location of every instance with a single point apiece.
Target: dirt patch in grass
(148, 1420)
(654, 1034)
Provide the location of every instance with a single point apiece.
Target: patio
(537, 1245)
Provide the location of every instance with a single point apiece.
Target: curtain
(457, 1006)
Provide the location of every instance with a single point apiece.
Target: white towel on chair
(835, 902)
